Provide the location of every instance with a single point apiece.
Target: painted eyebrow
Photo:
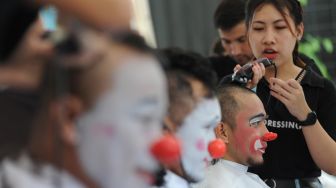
(257, 116)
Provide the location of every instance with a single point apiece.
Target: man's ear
(222, 131)
(64, 113)
(169, 126)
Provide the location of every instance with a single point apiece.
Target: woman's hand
(290, 93)
(258, 72)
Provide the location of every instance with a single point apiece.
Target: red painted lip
(270, 56)
(148, 177)
(262, 150)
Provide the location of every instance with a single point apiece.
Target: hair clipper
(245, 73)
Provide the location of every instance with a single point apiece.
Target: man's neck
(176, 169)
(228, 157)
(68, 161)
(284, 72)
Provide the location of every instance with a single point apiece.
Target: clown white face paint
(195, 133)
(257, 145)
(115, 136)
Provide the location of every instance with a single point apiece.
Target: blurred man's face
(198, 89)
(117, 131)
(195, 134)
(235, 43)
(245, 142)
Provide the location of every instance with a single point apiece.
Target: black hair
(217, 48)
(180, 96)
(133, 40)
(295, 12)
(137, 42)
(192, 64)
(229, 13)
(16, 16)
(229, 101)
(60, 79)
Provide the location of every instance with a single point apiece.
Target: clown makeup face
(246, 143)
(195, 134)
(116, 134)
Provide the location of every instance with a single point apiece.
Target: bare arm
(321, 146)
(104, 14)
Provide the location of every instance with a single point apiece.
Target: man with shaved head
(243, 129)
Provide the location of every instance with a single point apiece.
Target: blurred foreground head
(16, 16)
(107, 109)
(24, 50)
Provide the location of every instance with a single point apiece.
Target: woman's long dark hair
(295, 12)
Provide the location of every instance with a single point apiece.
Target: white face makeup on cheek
(257, 146)
(115, 136)
(195, 133)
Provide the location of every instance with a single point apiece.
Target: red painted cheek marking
(104, 130)
(200, 144)
(244, 133)
(242, 137)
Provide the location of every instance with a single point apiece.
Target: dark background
(188, 24)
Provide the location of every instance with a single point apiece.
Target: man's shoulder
(217, 175)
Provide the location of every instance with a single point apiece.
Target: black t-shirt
(288, 156)
(16, 16)
(17, 110)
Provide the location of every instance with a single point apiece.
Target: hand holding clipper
(243, 75)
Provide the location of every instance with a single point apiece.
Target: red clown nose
(217, 148)
(270, 136)
(167, 149)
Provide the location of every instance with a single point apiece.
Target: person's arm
(320, 144)
(103, 14)
(24, 66)
(321, 147)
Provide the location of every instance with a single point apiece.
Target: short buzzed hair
(229, 13)
(229, 100)
(192, 64)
